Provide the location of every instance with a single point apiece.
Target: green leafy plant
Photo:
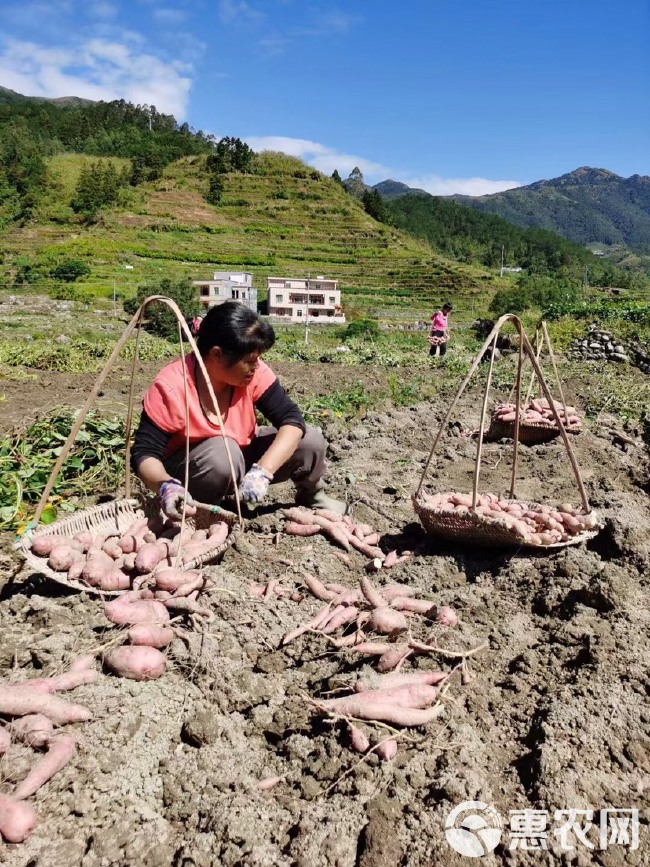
(94, 466)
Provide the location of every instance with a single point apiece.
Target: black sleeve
(276, 406)
(150, 441)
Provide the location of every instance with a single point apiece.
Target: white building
(313, 298)
(227, 286)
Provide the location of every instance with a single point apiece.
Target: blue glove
(255, 484)
(172, 494)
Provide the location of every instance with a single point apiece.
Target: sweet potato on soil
(15, 701)
(136, 662)
(17, 820)
(61, 748)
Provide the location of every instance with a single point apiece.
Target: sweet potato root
(135, 607)
(151, 635)
(20, 702)
(137, 662)
(61, 749)
(35, 730)
(17, 820)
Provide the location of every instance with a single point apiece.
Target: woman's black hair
(447, 306)
(236, 330)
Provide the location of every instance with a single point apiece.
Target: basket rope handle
(136, 321)
(527, 348)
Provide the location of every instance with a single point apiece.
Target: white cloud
(326, 159)
(438, 186)
(238, 11)
(98, 69)
(169, 15)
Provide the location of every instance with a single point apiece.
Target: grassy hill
(282, 219)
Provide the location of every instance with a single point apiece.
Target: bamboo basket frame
(471, 526)
(533, 433)
(118, 515)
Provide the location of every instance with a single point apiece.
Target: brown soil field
(555, 718)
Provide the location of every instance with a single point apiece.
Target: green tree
(337, 177)
(159, 318)
(373, 205)
(215, 191)
(70, 270)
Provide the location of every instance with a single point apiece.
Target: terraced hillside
(284, 219)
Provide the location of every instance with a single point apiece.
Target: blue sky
(468, 96)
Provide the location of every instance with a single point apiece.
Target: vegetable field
(246, 749)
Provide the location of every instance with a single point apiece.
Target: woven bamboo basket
(482, 530)
(118, 515)
(471, 526)
(529, 434)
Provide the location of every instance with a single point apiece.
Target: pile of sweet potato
(539, 412)
(375, 624)
(531, 523)
(34, 711)
(343, 532)
(114, 561)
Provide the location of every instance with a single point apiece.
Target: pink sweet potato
(17, 820)
(61, 749)
(387, 750)
(390, 559)
(293, 528)
(408, 603)
(317, 588)
(42, 545)
(387, 620)
(136, 662)
(135, 607)
(359, 740)
(171, 579)
(15, 701)
(62, 557)
(371, 593)
(395, 654)
(35, 730)
(150, 635)
(97, 566)
(373, 706)
(114, 580)
(148, 557)
(342, 615)
(446, 616)
(393, 679)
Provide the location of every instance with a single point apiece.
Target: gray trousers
(210, 478)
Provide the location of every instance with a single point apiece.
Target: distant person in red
(440, 330)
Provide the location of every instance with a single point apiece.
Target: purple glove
(172, 494)
(255, 484)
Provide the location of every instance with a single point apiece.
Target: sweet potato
(135, 607)
(59, 682)
(171, 579)
(387, 620)
(98, 565)
(218, 531)
(136, 662)
(148, 557)
(446, 616)
(392, 679)
(293, 528)
(15, 701)
(387, 750)
(341, 615)
(114, 580)
(61, 748)
(203, 549)
(390, 559)
(35, 730)
(62, 557)
(394, 655)
(359, 740)
(371, 593)
(42, 545)
(408, 603)
(150, 635)
(317, 588)
(17, 820)
(373, 706)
